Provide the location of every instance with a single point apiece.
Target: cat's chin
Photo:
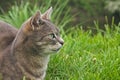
(53, 51)
(56, 50)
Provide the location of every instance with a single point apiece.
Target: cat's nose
(61, 41)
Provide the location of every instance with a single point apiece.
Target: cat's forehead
(50, 27)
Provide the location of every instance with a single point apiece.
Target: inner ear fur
(36, 20)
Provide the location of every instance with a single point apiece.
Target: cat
(25, 52)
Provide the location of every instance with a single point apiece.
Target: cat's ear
(36, 20)
(47, 14)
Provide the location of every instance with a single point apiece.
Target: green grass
(84, 56)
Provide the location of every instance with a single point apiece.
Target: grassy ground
(84, 56)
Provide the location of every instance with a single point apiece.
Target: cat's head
(42, 33)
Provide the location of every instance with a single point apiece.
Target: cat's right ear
(36, 21)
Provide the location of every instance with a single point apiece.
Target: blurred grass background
(84, 11)
(91, 31)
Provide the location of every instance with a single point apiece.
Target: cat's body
(25, 52)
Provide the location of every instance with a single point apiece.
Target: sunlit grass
(86, 57)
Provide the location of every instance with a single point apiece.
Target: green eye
(52, 36)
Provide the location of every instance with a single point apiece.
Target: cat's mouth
(48, 49)
(56, 49)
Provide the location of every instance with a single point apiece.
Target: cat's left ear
(36, 21)
(47, 14)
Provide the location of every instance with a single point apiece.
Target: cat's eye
(52, 36)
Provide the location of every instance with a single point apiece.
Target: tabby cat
(25, 52)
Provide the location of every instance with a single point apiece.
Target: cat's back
(7, 35)
(5, 27)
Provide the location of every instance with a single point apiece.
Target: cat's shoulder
(7, 34)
